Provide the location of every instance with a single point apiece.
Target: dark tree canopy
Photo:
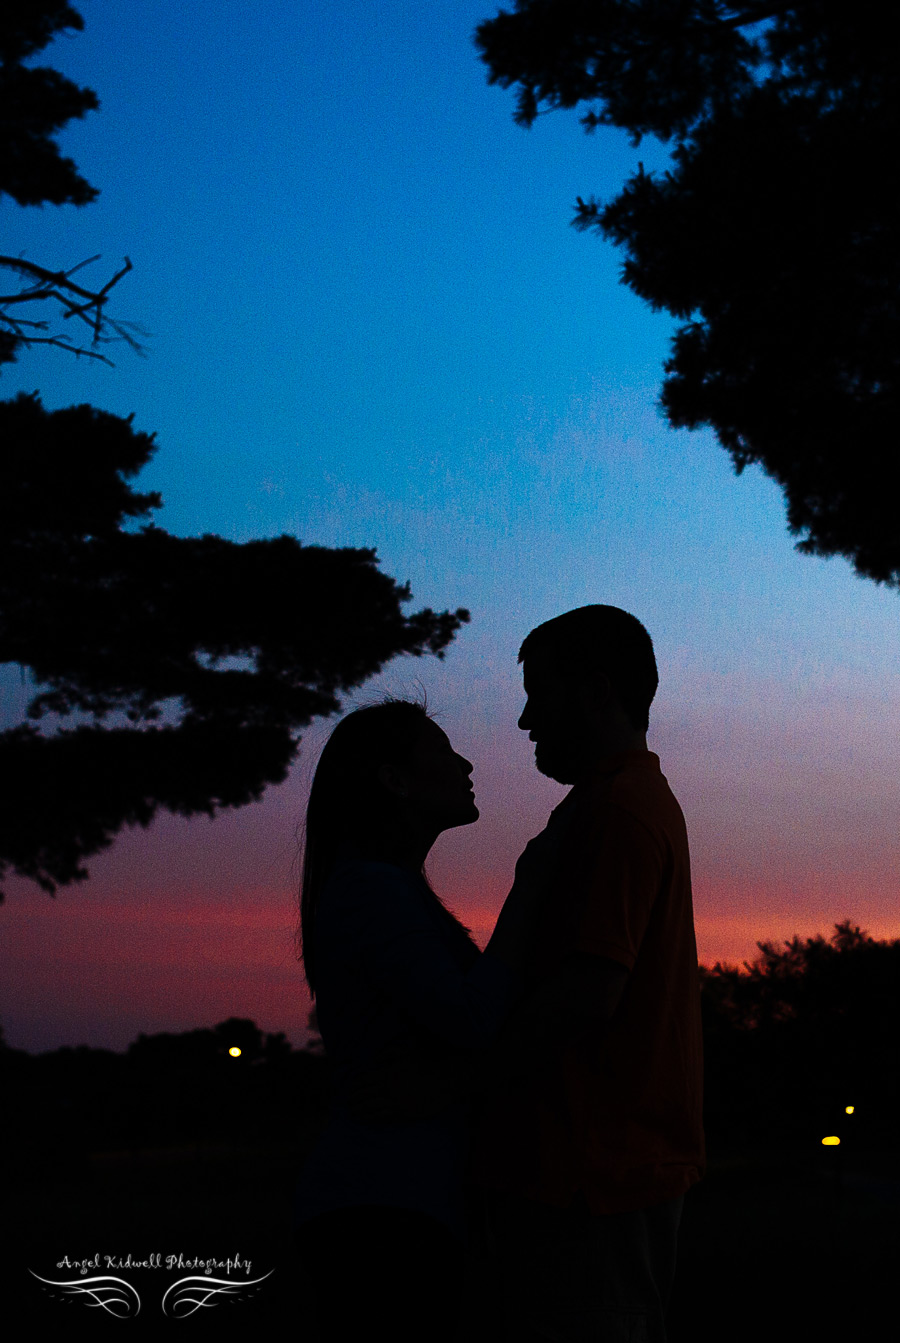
(773, 238)
(36, 103)
(182, 668)
(243, 644)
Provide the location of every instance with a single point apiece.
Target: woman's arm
(401, 1086)
(378, 918)
(580, 999)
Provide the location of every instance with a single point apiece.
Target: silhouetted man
(585, 1154)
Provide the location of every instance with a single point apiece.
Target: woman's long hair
(351, 814)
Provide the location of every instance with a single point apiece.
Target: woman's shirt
(395, 972)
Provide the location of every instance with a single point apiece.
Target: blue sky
(373, 326)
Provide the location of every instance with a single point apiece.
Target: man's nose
(524, 720)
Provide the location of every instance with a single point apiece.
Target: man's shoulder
(641, 778)
(637, 792)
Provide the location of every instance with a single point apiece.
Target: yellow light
(234, 1052)
(831, 1142)
(848, 1109)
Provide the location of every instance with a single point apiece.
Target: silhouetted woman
(381, 1205)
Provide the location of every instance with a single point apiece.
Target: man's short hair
(602, 640)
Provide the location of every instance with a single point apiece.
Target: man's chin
(561, 771)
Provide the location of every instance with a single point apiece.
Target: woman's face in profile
(439, 788)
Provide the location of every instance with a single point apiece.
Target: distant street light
(234, 1052)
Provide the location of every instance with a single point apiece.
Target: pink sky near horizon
(100, 972)
(188, 923)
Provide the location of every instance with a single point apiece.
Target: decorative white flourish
(205, 1289)
(105, 1292)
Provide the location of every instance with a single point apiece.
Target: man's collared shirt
(616, 1114)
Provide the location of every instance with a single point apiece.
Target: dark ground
(771, 1246)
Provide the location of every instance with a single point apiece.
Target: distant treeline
(165, 1091)
(790, 1041)
(801, 1033)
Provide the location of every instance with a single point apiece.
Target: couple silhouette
(512, 1132)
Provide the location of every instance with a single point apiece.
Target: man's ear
(390, 777)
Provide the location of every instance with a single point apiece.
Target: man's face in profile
(554, 718)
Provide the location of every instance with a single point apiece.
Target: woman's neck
(405, 851)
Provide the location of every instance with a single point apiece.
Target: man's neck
(605, 756)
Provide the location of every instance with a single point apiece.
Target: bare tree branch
(64, 345)
(757, 14)
(87, 305)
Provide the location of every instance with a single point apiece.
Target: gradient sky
(372, 326)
